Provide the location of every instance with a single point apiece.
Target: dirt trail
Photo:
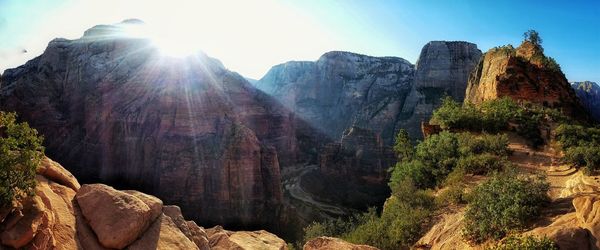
(547, 160)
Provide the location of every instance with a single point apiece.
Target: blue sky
(259, 34)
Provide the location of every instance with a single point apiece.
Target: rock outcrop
(523, 74)
(329, 243)
(115, 110)
(97, 216)
(589, 94)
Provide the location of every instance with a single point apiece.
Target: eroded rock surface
(523, 75)
(116, 111)
(329, 243)
(98, 217)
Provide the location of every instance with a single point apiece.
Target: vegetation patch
(20, 153)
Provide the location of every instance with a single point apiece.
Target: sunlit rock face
(342, 89)
(522, 75)
(589, 94)
(114, 110)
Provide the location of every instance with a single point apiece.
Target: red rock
(329, 243)
(164, 235)
(116, 217)
(520, 75)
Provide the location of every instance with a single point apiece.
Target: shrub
(403, 147)
(485, 143)
(452, 114)
(20, 154)
(587, 156)
(580, 144)
(526, 242)
(439, 154)
(482, 164)
(502, 204)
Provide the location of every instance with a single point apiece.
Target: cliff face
(65, 215)
(382, 94)
(342, 89)
(114, 110)
(443, 69)
(589, 94)
(523, 74)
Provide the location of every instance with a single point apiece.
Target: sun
(168, 43)
(173, 46)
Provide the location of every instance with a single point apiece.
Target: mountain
(66, 215)
(589, 94)
(342, 89)
(523, 74)
(116, 111)
(382, 94)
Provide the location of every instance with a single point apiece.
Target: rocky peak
(524, 74)
(114, 110)
(341, 89)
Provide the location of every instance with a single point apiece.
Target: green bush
(20, 154)
(403, 147)
(526, 242)
(482, 164)
(503, 204)
(580, 144)
(485, 143)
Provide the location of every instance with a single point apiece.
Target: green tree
(20, 153)
(533, 36)
(403, 147)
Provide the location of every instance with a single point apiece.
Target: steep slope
(443, 69)
(114, 110)
(382, 94)
(589, 94)
(65, 215)
(524, 74)
(342, 89)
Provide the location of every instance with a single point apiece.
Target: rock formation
(589, 94)
(523, 74)
(442, 70)
(114, 110)
(63, 215)
(362, 160)
(382, 94)
(342, 89)
(329, 243)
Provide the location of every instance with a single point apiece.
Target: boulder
(329, 243)
(188, 228)
(55, 172)
(163, 235)
(33, 216)
(117, 218)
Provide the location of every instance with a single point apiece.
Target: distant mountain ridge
(589, 94)
(383, 94)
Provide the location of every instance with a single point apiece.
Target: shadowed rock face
(589, 94)
(443, 69)
(113, 110)
(342, 89)
(382, 94)
(522, 75)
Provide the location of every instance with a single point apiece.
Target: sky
(250, 37)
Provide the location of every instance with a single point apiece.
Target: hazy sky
(251, 36)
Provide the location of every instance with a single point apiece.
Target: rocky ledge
(65, 215)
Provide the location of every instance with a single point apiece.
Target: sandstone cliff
(382, 94)
(114, 110)
(65, 215)
(342, 89)
(589, 94)
(524, 74)
(443, 69)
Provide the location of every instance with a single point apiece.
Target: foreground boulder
(117, 218)
(99, 217)
(329, 243)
